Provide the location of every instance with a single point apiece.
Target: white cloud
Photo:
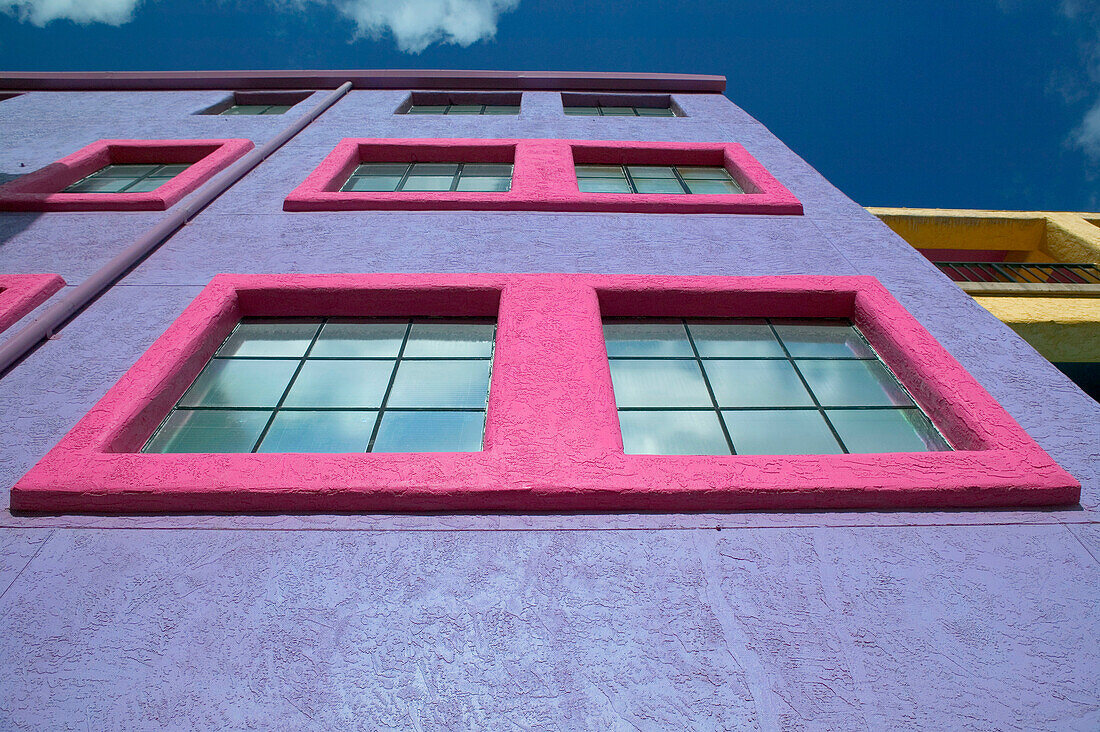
(41, 12)
(416, 24)
(1087, 134)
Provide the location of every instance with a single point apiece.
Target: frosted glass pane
(434, 169)
(213, 430)
(99, 185)
(646, 339)
(822, 339)
(853, 384)
(654, 112)
(340, 384)
(780, 432)
(496, 170)
(617, 111)
(655, 185)
(319, 432)
(707, 187)
(450, 340)
(170, 171)
(704, 172)
(278, 109)
(886, 430)
(430, 432)
(672, 433)
(756, 384)
(582, 111)
(360, 340)
(495, 185)
(147, 185)
(428, 183)
(126, 171)
(441, 384)
(734, 339)
(240, 383)
(397, 169)
(644, 383)
(427, 109)
(269, 339)
(603, 185)
(386, 183)
(464, 109)
(599, 171)
(651, 171)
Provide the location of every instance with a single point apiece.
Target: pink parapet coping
(22, 293)
(552, 438)
(41, 190)
(543, 179)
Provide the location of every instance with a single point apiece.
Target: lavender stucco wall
(859, 620)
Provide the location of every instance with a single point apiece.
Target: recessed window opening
(611, 111)
(338, 385)
(237, 109)
(391, 177)
(492, 109)
(758, 387)
(673, 179)
(127, 178)
(461, 103)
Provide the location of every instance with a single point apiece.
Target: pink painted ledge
(552, 438)
(22, 293)
(544, 177)
(41, 190)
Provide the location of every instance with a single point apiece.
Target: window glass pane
(387, 183)
(430, 432)
(428, 183)
(99, 185)
(450, 340)
(269, 339)
(340, 384)
(644, 383)
(278, 109)
(427, 109)
(582, 111)
(853, 384)
(125, 171)
(655, 112)
(170, 171)
(704, 187)
(780, 432)
(441, 384)
(464, 109)
(209, 430)
(756, 384)
(498, 170)
(656, 185)
(483, 184)
(500, 109)
(240, 383)
(646, 339)
(146, 185)
(651, 171)
(600, 171)
(360, 340)
(822, 339)
(387, 169)
(745, 339)
(886, 430)
(617, 111)
(603, 185)
(434, 169)
(246, 109)
(698, 172)
(329, 431)
(672, 433)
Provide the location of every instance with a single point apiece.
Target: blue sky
(977, 104)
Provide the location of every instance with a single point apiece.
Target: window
(126, 179)
(430, 177)
(122, 175)
(758, 387)
(337, 385)
(463, 109)
(673, 179)
(620, 105)
(256, 109)
(360, 392)
(541, 175)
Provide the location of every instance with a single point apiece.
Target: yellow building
(1037, 271)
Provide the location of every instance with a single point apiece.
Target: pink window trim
(22, 293)
(544, 177)
(552, 439)
(41, 190)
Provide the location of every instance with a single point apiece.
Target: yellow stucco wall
(1060, 328)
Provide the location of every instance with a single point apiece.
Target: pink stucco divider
(41, 190)
(544, 177)
(22, 293)
(552, 439)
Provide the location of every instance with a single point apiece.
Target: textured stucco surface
(858, 620)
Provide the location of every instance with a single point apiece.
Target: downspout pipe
(58, 314)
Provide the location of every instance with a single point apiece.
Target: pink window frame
(22, 293)
(552, 438)
(41, 190)
(544, 177)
